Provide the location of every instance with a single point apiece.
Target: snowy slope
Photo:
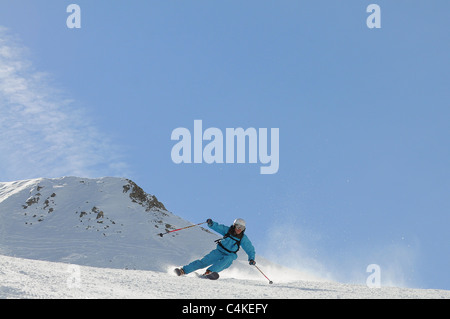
(21, 278)
(98, 238)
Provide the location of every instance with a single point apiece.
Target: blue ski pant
(216, 259)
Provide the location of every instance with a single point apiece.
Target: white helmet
(240, 222)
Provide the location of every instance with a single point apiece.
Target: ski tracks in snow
(33, 279)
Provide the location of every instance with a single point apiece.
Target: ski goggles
(240, 227)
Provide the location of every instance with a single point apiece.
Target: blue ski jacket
(230, 242)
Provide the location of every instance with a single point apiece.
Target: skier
(226, 251)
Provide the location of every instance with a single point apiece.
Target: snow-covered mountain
(74, 237)
(105, 222)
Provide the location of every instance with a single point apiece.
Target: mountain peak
(107, 222)
(138, 195)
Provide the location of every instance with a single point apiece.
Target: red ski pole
(171, 231)
(270, 281)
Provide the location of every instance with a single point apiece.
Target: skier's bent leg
(222, 263)
(202, 263)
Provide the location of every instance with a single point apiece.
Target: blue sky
(363, 116)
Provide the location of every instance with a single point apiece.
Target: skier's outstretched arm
(221, 229)
(247, 245)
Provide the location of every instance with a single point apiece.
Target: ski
(210, 276)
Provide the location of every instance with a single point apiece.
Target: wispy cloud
(42, 133)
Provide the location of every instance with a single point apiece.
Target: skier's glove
(209, 221)
(252, 262)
